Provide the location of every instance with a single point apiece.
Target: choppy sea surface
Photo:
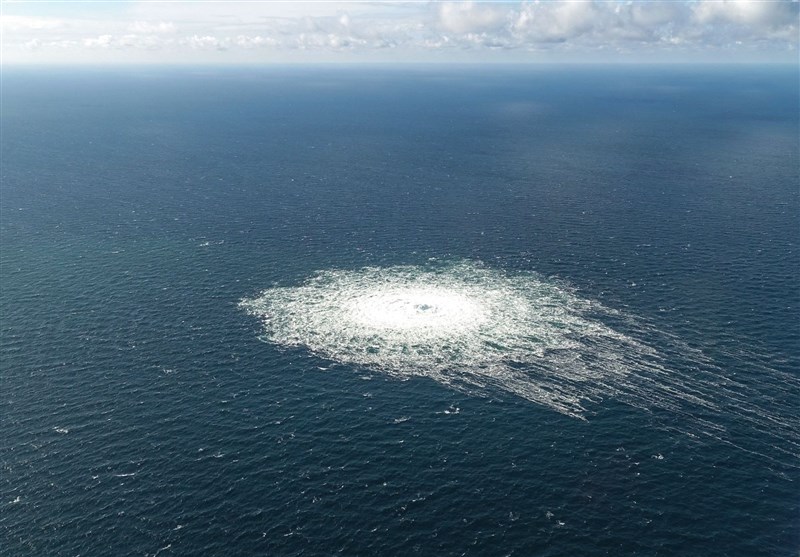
(413, 311)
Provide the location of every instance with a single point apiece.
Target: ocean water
(413, 311)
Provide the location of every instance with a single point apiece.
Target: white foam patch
(485, 331)
(461, 324)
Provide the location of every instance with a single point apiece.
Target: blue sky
(233, 32)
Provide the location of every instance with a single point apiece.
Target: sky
(545, 31)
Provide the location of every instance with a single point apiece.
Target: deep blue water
(142, 415)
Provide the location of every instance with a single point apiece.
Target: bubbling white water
(463, 325)
(436, 311)
(488, 332)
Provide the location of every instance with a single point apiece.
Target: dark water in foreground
(142, 415)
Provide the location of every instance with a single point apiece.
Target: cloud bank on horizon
(281, 31)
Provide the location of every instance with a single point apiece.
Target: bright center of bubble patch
(429, 311)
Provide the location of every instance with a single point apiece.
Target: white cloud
(206, 42)
(655, 14)
(145, 27)
(580, 30)
(24, 23)
(103, 41)
(556, 22)
(752, 13)
(470, 17)
(246, 41)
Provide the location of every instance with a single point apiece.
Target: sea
(525, 310)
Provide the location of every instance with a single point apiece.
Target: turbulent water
(510, 311)
(465, 325)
